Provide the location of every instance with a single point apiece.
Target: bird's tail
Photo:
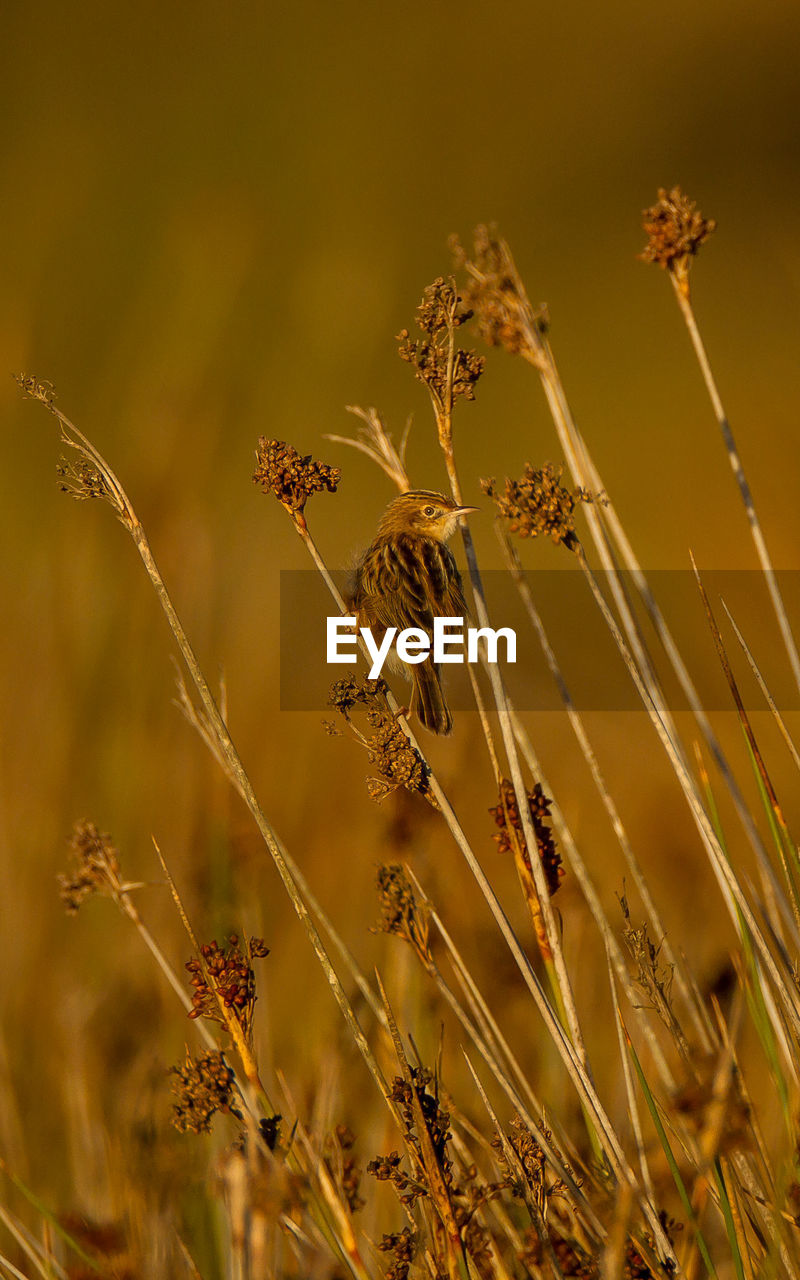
(428, 701)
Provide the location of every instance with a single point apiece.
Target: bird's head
(424, 513)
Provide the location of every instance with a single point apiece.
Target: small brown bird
(408, 577)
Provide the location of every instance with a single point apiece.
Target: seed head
(400, 912)
(226, 977)
(281, 470)
(538, 504)
(36, 388)
(96, 867)
(396, 760)
(203, 1086)
(507, 813)
(676, 229)
(81, 479)
(448, 371)
(495, 293)
(402, 1245)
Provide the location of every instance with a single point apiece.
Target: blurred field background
(216, 218)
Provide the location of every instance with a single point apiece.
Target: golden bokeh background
(216, 218)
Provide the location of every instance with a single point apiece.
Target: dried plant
(390, 750)
(676, 229)
(566, 1180)
(538, 505)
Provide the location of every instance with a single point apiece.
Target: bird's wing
(407, 582)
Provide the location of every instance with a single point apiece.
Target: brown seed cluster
(507, 812)
(496, 295)
(533, 1165)
(225, 977)
(397, 761)
(36, 388)
(654, 976)
(81, 480)
(402, 1245)
(346, 694)
(281, 470)
(417, 1099)
(203, 1086)
(448, 371)
(400, 913)
(437, 1124)
(539, 505)
(676, 229)
(96, 867)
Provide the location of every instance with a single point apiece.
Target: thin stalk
(578, 728)
(539, 354)
(762, 684)
(573, 1063)
(731, 889)
(630, 1093)
(551, 930)
(687, 311)
(580, 871)
(118, 499)
(787, 851)
(668, 1152)
(196, 720)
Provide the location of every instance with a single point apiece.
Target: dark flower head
(401, 914)
(96, 867)
(506, 815)
(391, 752)
(539, 504)
(676, 229)
(281, 470)
(448, 371)
(224, 981)
(495, 293)
(203, 1086)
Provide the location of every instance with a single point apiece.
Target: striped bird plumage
(406, 578)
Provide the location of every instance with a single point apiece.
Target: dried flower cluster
(225, 977)
(407, 1093)
(396, 760)
(398, 763)
(506, 815)
(96, 867)
(203, 1086)
(676, 229)
(402, 1245)
(539, 505)
(654, 978)
(496, 295)
(81, 480)
(36, 388)
(418, 1104)
(281, 470)
(400, 913)
(448, 371)
(346, 694)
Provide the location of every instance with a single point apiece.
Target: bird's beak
(464, 511)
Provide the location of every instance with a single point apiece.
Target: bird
(406, 578)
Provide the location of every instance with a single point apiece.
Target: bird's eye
(429, 511)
